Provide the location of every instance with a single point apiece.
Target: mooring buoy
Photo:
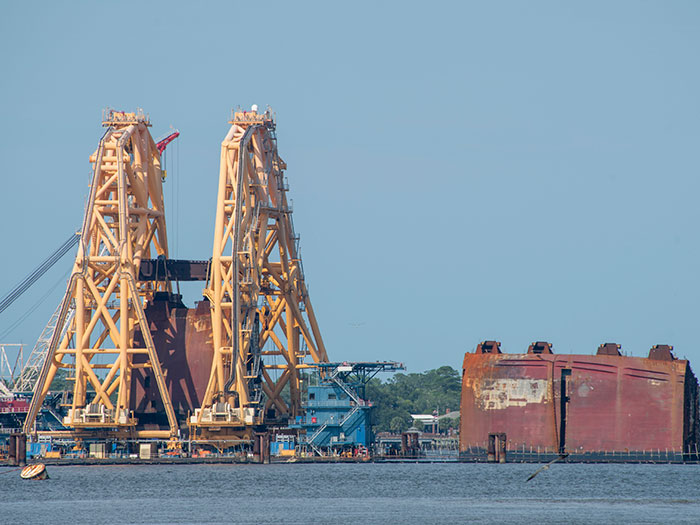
(36, 471)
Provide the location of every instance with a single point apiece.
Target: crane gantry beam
(264, 329)
(124, 223)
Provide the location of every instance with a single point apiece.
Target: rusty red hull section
(611, 404)
(182, 337)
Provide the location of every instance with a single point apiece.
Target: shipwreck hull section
(182, 337)
(597, 408)
(514, 396)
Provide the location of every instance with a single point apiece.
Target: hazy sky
(460, 171)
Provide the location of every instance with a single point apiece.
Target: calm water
(348, 493)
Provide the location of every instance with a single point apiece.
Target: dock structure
(337, 414)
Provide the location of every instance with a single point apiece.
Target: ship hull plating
(594, 408)
(182, 337)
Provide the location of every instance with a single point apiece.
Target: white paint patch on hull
(499, 394)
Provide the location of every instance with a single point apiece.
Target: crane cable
(35, 306)
(40, 270)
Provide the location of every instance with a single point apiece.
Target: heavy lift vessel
(130, 346)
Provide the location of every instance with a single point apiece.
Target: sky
(460, 171)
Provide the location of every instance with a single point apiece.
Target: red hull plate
(616, 403)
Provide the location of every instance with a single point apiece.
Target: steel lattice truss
(260, 307)
(124, 223)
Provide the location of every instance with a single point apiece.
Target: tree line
(422, 393)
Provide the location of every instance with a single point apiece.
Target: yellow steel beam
(124, 223)
(255, 273)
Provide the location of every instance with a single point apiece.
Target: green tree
(418, 425)
(447, 423)
(406, 394)
(397, 424)
(60, 381)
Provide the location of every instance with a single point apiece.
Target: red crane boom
(161, 144)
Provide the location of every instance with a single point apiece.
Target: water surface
(355, 493)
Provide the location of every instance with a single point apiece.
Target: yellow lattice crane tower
(124, 223)
(264, 330)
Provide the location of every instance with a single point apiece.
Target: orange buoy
(36, 471)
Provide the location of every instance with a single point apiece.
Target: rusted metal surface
(173, 269)
(609, 349)
(497, 447)
(611, 403)
(182, 338)
(661, 353)
(489, 347)
(540, 347)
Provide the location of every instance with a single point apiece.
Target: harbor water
(372, 493)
